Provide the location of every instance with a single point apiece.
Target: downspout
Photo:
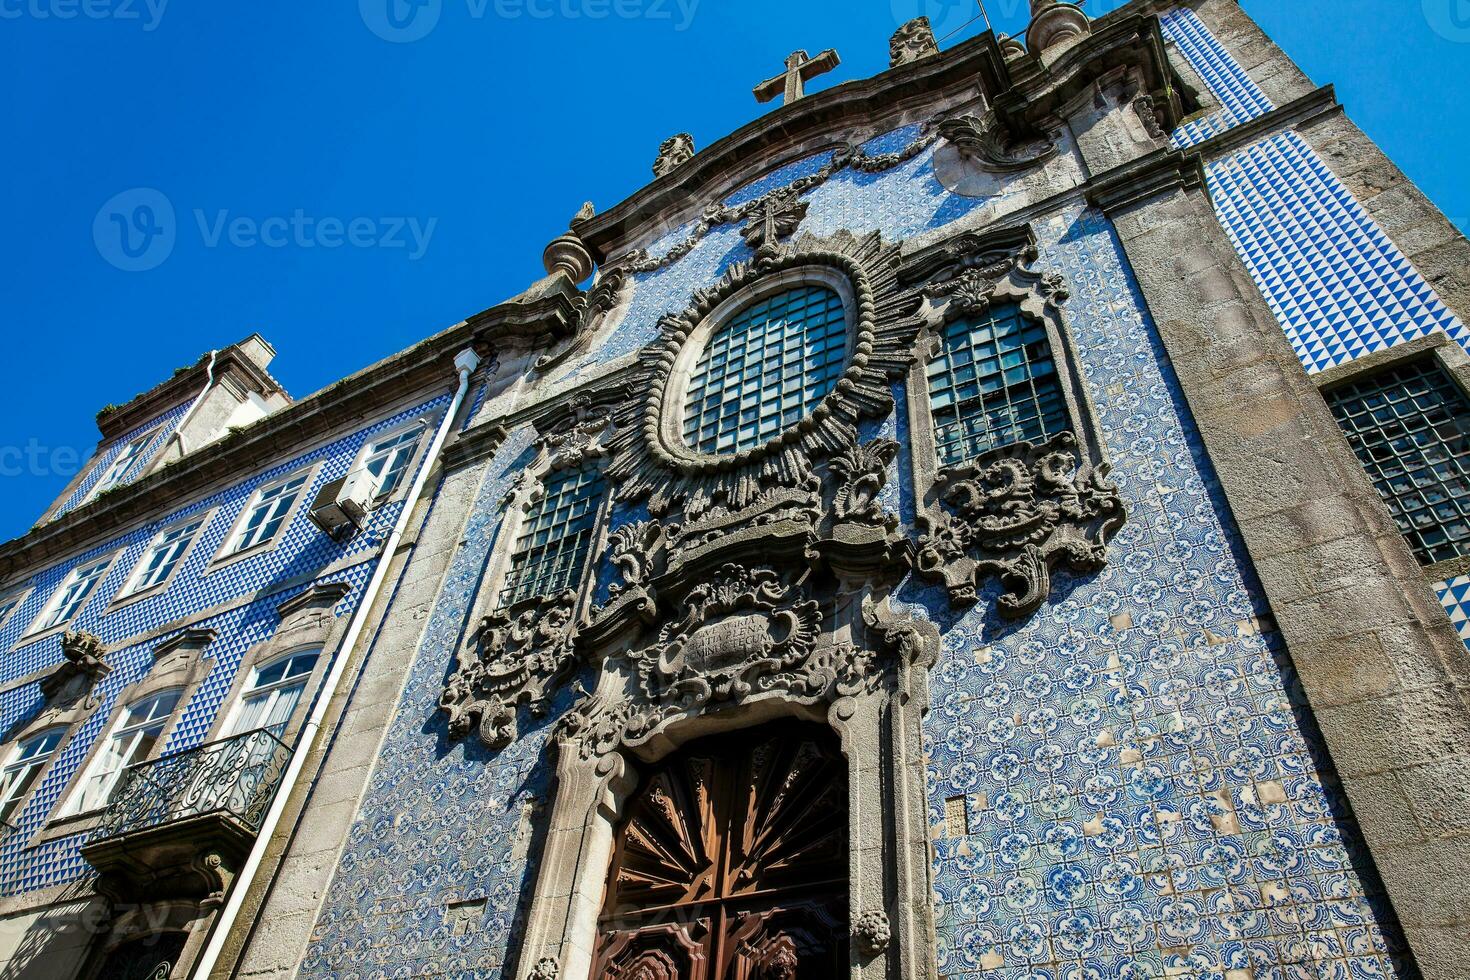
(465, 363)
(178, 433)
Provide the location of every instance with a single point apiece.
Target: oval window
(765, 368)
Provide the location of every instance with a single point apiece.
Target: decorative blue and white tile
(1240, 98)
(1455, 594)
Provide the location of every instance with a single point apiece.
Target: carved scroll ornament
(521, 657)
(984, 140)
(1019, 512)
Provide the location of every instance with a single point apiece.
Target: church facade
(1008, 517)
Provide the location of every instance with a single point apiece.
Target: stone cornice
(538, 317)
(1297, 113)
(185, 385)
(1145, 178)
(824, 114)
(1025, 93)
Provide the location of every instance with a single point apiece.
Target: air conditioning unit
(342, 506)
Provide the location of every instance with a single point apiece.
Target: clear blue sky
(495, 127)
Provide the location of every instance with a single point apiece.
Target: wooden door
(732, 864)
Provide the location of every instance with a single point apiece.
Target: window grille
(765, 369)
(993, 383)
(1410, 426)
(555, 537)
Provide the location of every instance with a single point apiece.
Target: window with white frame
(26, 764)
(275, 691)
(73, 594)
(8, 606)
(121, 465)
(164, 555)
(388, 458)
(266, 513)
(133, 739)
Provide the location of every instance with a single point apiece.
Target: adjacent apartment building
(1007, 518)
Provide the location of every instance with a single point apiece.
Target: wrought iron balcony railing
(235, 777)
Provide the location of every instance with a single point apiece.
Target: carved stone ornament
(572, 439)
(911, 42)
(777, 219)
(1054, 22)
(862, 471)
(546, 969)
(674, 152)
(872, 932)
(744, 632)
(70, 684)
(521, 656)
(1018, 512)
(652, 462)
(985, 141)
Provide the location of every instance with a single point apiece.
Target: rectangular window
(274, 693)
(117, 470)
(388, 458)
(267, 513)
(993, 383)
(24, 768)
(164, 555)
(555, 538)
(8, 605)
(137, 734)
(1410, 426)
(72, 595)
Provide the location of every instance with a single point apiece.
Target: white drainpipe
(465, 363)
(178, 433)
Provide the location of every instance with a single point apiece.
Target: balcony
(180, 826)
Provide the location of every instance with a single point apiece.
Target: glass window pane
(992, 384)
(1410, 427)
(551, 547)
(796, 346)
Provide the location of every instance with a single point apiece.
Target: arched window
(766, 368)
(551, 547)
(133, 739)
(27, 762)
(275, 691)
(993, 383)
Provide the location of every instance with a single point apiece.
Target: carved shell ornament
(651, 462)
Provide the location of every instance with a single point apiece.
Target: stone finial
(1053, 22)
(566, 253)
(911, 42)
(673, 153)
(1011, 48)
(584, 213)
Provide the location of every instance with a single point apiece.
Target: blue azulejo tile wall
(246, 593)
(442, 821)
(1122, 785)
(158, 431)
(1240, 99)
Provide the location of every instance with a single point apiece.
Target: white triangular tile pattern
(1455, 594)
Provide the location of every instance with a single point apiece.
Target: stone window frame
(179, 663)
(306, 620)
(35, 632)
(1450, 357)
(143, 440)
(676, 388)
(953, 280)
(126, 597)
(226, 557)
(19, 593)
(13, 745)
(530, 488)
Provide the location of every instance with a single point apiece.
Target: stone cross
(799, 70)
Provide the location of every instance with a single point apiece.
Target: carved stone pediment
(673, 153)
(1018, 512)
(519, 657)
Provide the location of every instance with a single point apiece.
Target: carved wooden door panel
(732, 864)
